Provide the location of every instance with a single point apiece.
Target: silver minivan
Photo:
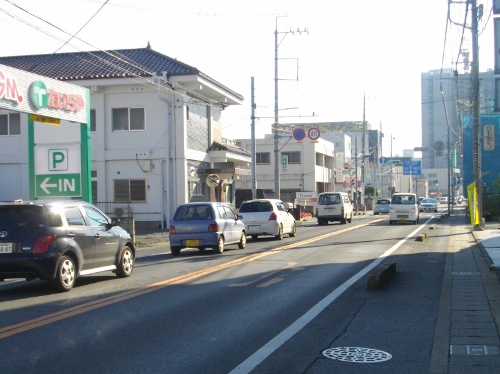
(333, 206)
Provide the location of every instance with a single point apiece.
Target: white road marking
(258, 357)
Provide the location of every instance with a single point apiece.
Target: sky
(350, 58)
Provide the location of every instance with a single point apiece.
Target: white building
(155, 129)
(310, 167)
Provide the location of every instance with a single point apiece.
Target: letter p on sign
(58, 159)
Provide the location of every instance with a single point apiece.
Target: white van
(404, 208)
(333, 206)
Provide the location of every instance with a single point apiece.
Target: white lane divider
(258, 357)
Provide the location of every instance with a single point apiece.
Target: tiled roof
(100, 64)
(226, 147)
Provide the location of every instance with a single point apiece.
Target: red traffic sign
(313, 133)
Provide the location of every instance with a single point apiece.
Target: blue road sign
(383, 160)
(412, 167)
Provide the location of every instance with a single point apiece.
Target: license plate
(5, 247)
(192, 243)
(253, 228)
(402, 219)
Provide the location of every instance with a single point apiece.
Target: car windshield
(428, 201)
(329, 199)
(403, 199)
(193, 213)
(22, 217)
(383, 202)
(256, 206)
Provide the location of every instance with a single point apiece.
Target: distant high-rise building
(445, 100)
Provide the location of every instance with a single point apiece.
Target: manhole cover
(357, 354)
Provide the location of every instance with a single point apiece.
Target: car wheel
(219, 248)
(390, 222)
(294, 230)
(375, 214)
(280, 233)
(66, 275)
(175, 250)
(243, 241)
(350, 219)
(343, 220)
(126, 265)
(255, 236)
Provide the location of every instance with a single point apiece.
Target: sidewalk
(467, 328)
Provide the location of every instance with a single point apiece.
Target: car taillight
(273, 217)
(43, 244)
(213, 227)
(171, 230)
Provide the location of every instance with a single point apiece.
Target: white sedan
(428, 205)
(267, 217)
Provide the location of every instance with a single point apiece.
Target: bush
(491, 206)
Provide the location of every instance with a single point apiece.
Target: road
(275, 307)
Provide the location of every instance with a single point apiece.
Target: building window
(293, 157)
(94, 191)
(263, 158)
(320, 159)
(129, 119)
(10, 124)
(92, 119)
(129, 190)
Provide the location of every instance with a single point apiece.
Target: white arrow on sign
(44, 185)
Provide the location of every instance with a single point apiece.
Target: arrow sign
(45, 185)
(55, 185)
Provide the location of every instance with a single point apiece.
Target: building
(155, 129)
(445, 101)
(309, 167)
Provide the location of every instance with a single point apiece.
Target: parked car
(428, 205)
(382, 206)
(59, 241)
(267, 217)
(205, 225)
(443, 200)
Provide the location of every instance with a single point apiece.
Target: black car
(59, 241)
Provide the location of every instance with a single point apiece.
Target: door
(107, 242)
(82, 235)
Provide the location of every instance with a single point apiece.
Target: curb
(381, 276)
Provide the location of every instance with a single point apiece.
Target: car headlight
(413, 211)
(393, 210)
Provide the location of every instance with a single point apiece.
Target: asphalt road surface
(299, 305)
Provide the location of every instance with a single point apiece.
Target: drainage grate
(357, 355)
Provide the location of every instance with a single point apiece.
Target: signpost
(412, 168)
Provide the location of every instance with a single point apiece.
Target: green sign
(284, 161)
(54, 185)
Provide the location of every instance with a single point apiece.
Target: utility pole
(277, 186)
(254, 147)
(476, 148)
(363, 148)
